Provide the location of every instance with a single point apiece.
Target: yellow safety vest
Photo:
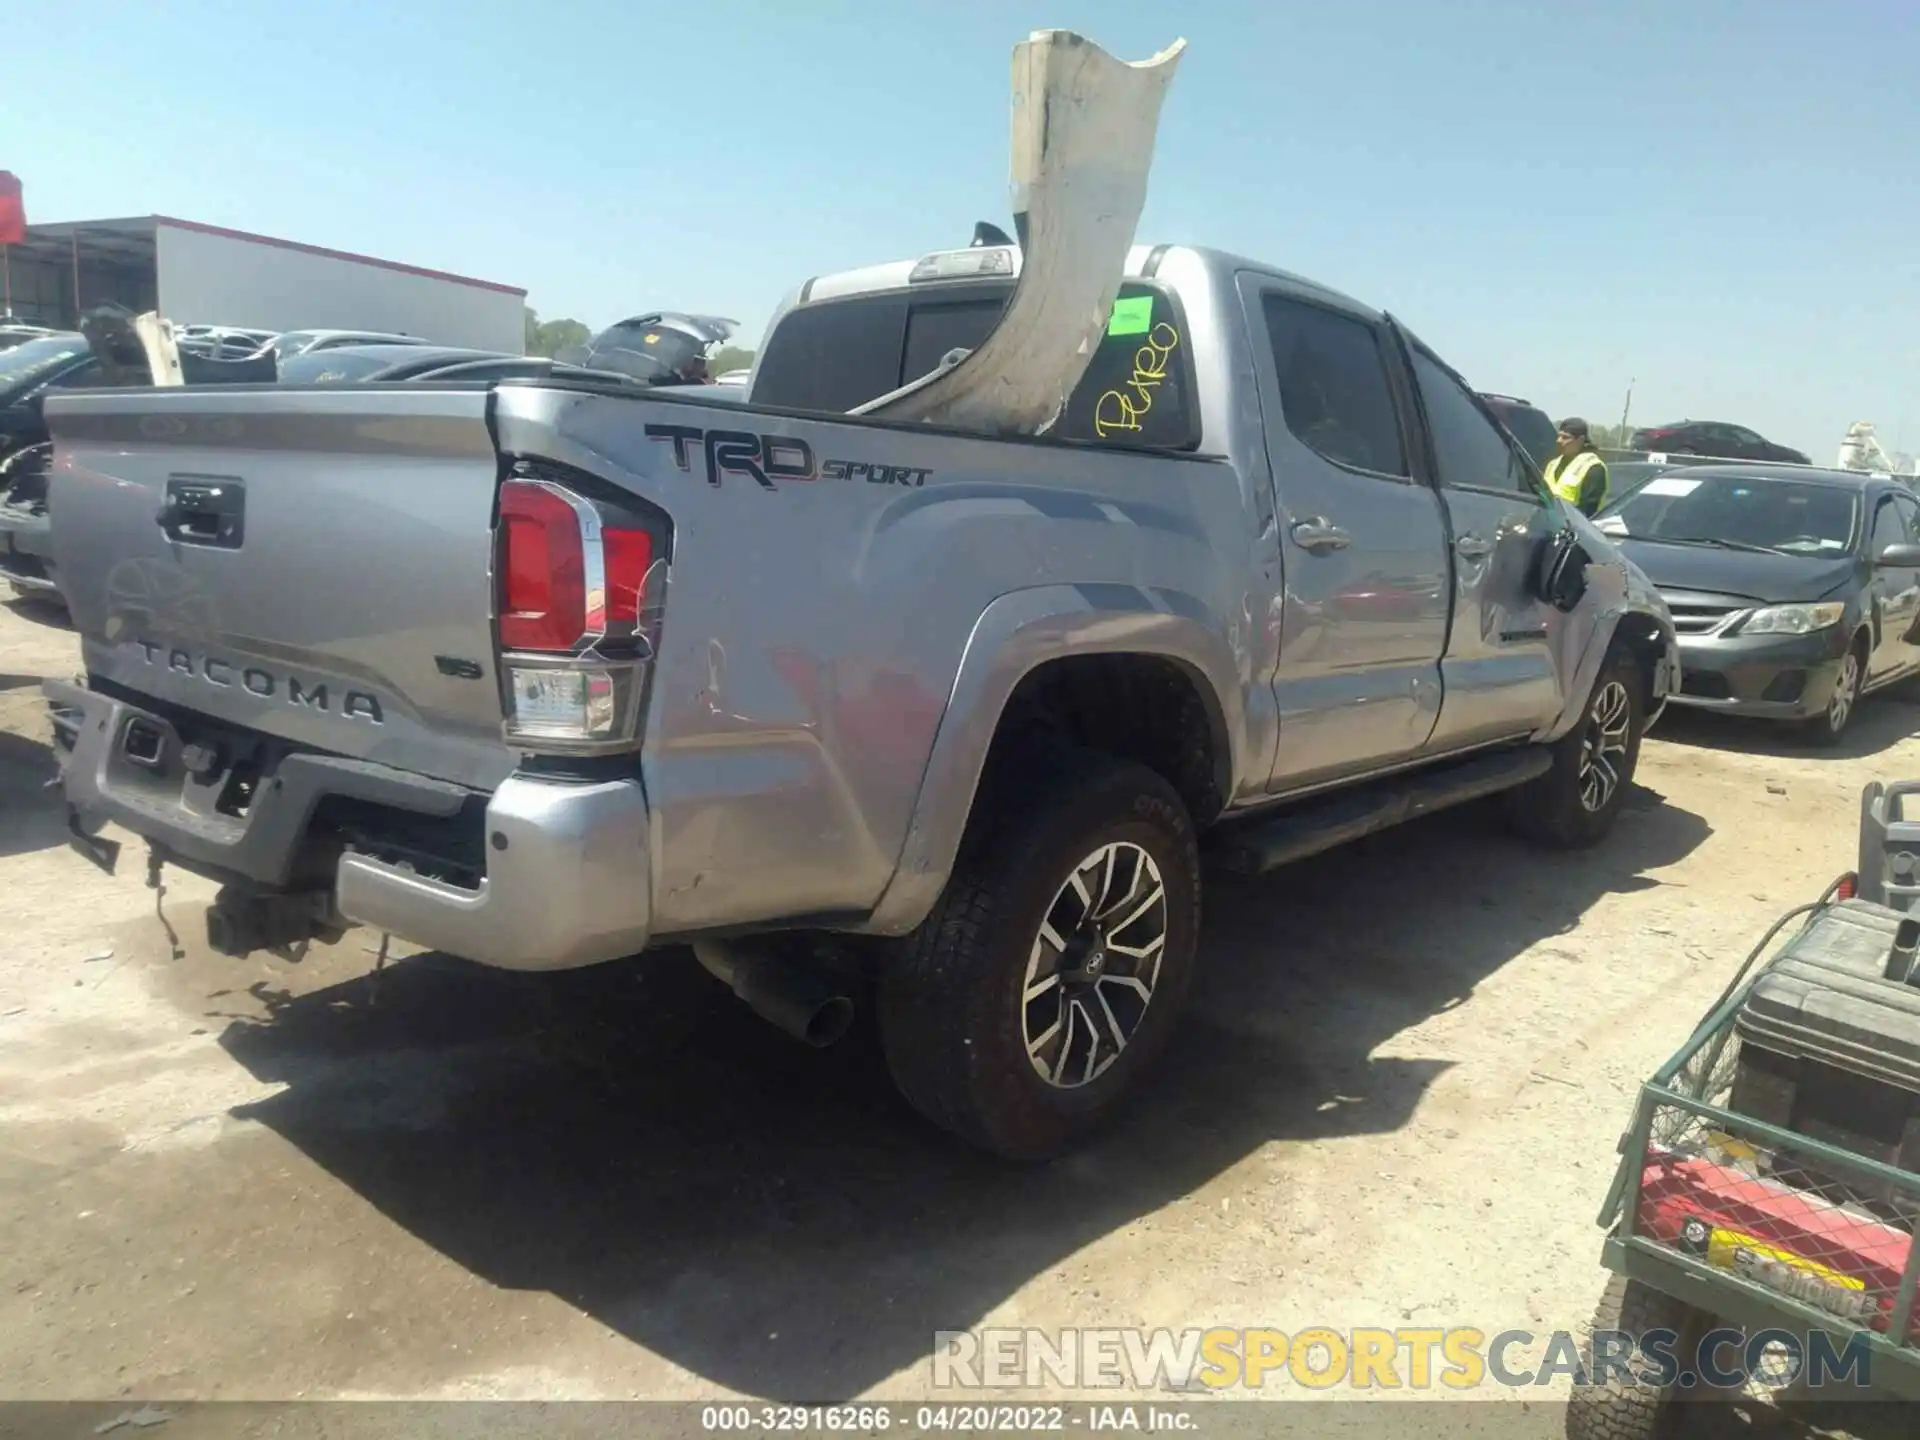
(1566, 475)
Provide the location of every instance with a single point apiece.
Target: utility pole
(1626, 410)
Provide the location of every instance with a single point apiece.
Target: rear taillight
(573, 611)
(543, 575)
(629, 555)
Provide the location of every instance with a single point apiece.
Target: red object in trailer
(1796, 1242)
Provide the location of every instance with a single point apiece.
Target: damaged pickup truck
(858, 704)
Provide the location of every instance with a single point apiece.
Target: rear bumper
(566, 879)
(566, 882)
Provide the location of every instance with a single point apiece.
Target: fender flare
(1015, 635)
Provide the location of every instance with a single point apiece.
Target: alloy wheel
(1846, 690)
(1094, 965)
(1603, 750)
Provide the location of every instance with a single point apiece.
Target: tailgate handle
(205, 511)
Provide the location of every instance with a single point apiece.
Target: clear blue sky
(1718, 198)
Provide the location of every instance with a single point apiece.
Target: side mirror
(1562, 577)
(1899, 557)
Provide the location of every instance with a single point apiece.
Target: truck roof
(1143, 261)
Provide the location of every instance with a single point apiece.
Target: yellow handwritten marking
(1121, 408)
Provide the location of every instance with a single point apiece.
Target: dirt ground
(1395, 1102)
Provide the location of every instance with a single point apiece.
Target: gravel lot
(1395, 1102)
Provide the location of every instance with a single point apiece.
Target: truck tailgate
(311, 563)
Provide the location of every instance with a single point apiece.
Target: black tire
(1624, 1407)
(1555, 809)
(950, 1004)
(1830, 727)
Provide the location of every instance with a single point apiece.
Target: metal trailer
(1697, 1178)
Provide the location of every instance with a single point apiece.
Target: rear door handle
(1472, 547)
(1318, 535)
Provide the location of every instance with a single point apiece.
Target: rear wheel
(1049, 976)
(1830, 725)
(1576, 802)
(1621, 1402)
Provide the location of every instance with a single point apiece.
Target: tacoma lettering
(354, 704)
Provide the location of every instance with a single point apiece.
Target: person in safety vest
(1576, 473)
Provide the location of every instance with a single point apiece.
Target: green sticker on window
(1131, 316)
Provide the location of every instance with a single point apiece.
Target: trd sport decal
(765, 459)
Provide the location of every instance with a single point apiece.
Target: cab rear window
(839, 354)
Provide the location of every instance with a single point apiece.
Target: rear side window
(1138, 392)
(835, 355)
(933, 330)
(1334, 387)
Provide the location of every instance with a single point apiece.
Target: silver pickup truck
(545, 673)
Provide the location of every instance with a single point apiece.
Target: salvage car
(1527, 423)
(663, 347)
(1795, 592)
(13, 333)
(299, 342)
(332, 365)
(26, 539)
(923, 674)
(25, 373)
(222, 342)
(1714, 438)
(1008, 793)
(387, 363)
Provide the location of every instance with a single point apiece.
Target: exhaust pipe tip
(829, 1022)
(788, 994)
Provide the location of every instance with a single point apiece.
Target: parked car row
(657, 348)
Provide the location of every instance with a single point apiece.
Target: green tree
(550, 337)
(730, 357)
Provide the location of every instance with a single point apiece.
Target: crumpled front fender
(1616, 589)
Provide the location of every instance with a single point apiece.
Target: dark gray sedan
(1795, 591)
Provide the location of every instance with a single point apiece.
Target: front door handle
(1319, 535)
(1472, 547)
